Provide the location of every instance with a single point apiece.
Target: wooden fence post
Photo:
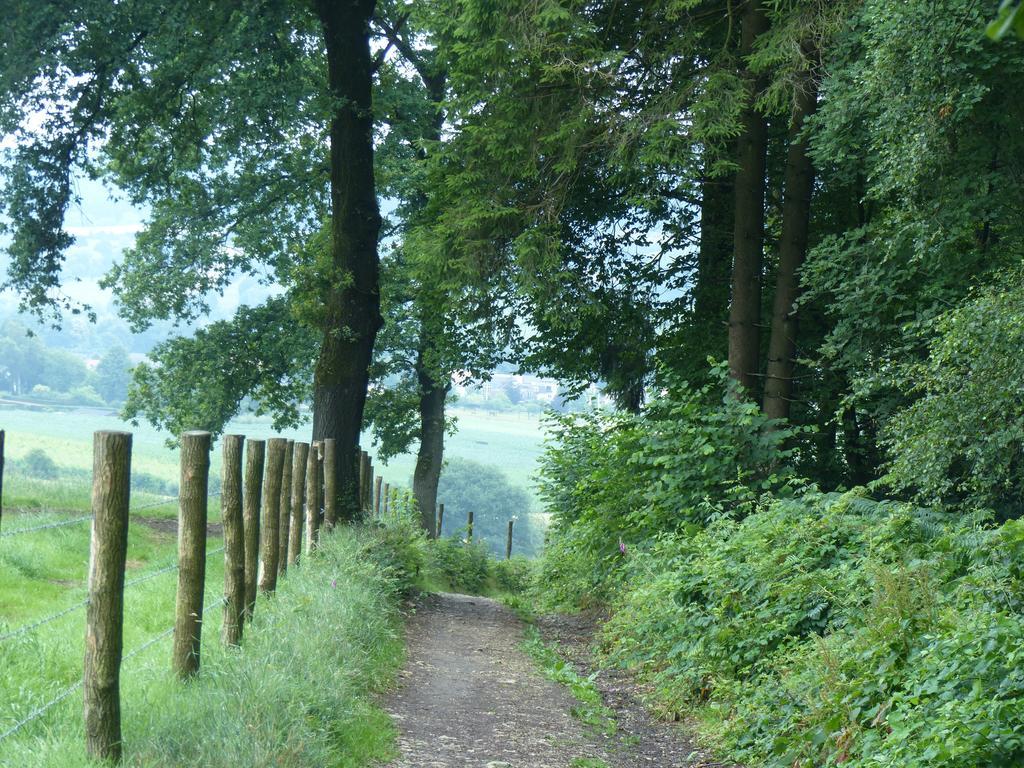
(254, 459)
(285, 508)
(192, 507)
(440, 519)
(330, 483)
(299, 459)
(361, 471)
(104, 624)
(234, 539)
(469, 526)
(365, 484)
(312, 498)
(387, 499)
(270, 524)
(368, 503)
(508, 543)
(376, 496)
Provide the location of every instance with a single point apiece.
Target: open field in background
(510, 442)
(45, 572)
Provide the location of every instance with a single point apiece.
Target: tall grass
(299, 692)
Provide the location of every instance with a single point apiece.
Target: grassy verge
(298, 693)
(590, 709)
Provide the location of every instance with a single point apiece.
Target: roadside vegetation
(792, 626)
(300, 691)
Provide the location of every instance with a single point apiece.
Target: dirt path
(469, 696)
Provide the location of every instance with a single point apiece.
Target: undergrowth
(299, 692)
(796, 628)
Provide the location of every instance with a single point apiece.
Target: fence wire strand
(24, 630)
(41, 710)
(61, 524)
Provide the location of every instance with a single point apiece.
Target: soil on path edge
(470, 697)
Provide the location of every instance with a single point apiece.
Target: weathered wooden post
(366, 485)
(285, 508)
(361, 471)
(508, 542)
(440, 519)
(368, 503)
(387, 499)
(192, 507)
(469, 526)
(234, 539)
(254, 459)
(312, 498)
(104, 623)
(270, 524)
(376, 496)
(299, 459)
(330, 483)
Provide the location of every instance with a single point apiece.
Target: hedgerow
(797, 628)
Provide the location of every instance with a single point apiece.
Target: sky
(103, 228)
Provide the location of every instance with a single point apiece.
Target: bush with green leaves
(38, 465)
(459, 567)
(615, 480)
(959, 442)
(830, 629)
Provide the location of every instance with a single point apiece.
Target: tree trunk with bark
(714, 264)
(431, 452)
(748, 230)
(796, 217)
(352, 305)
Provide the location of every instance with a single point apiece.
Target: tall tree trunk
(433, 385)
(714, 262)
(748, 230)
(796, 217)
(352, 305)
(430, 457)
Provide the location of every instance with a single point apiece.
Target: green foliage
(39, 465)
(460, 567)
(959, 441)
(113, 375)
(202, 381)
(1010, 17)
(617, 480)
(468, 485)
(25, 362)
(830, 629)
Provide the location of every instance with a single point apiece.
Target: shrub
(37, 464)
(616, 480)
(460, 567)
(830, 629)
(512, 576)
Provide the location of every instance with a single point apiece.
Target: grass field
(299, 693)
(511, 442)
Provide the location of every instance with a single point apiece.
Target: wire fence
(190, 521)
(46, 527)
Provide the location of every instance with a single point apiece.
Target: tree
(469, 485)
(247, 131)
(113, 375)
